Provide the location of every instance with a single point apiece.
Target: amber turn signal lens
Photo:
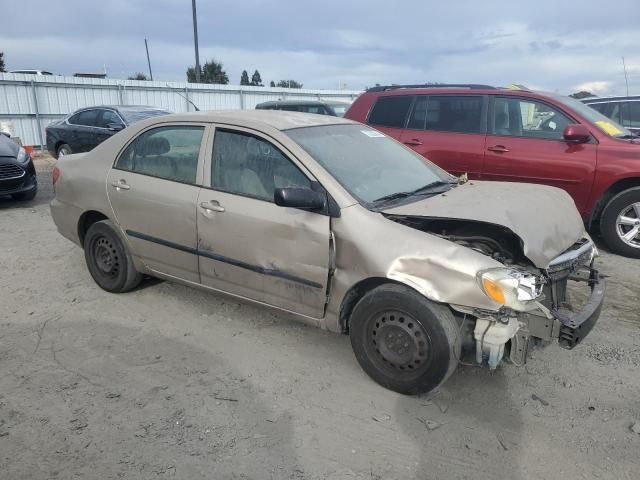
(493, 291)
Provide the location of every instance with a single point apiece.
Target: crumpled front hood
(544, 218)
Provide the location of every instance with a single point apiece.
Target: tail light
(55, 175)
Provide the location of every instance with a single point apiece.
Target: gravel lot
(170, 382)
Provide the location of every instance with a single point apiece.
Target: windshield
(604, 123)
(133, 116)
(340, 109)
(367, 163)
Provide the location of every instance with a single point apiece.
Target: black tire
(25, 196)
(63, 149)
(404, 341)
(609, 229)
(108, 260)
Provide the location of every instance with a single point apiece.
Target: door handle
(414, 142)
(121, 185)
(212, 206)
(498, 149)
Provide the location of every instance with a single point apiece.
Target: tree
(2, 67)
(582, 94)
(256, 81)
(289, 84)
(137, 76)
(272, 84)
(244, 78)
(211, 72)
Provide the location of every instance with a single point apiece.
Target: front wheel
(404, 341)
(620, 223)
(108, 260)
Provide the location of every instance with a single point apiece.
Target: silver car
(341, 225)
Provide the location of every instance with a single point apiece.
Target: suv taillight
(55, 174)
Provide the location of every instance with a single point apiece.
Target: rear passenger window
(452, 113)
(419, 114)
(166, 152)
(390, 111)
(87, 118)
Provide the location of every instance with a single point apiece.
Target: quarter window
(250, 166)
(525, 118)
(166, 152)
(390, 111)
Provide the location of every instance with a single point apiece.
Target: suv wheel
(108, 260)
(403, 341)
(620, 223)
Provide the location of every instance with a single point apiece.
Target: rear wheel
(403, 341)
(108, 260)
(620, 223)
(63, 150)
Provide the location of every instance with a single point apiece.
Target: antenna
(626, 80)
(183, 96)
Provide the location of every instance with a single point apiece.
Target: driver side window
(525, 118)
(248, 165)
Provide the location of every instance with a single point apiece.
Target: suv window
(390, 111)
(451, 113)
(248, 165)
(527, 118)
(108, 117)
(631, 114)
(87, 118)
(165, 152)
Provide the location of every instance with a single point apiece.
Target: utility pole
(626, 80)
(195, 39)
(146, 46)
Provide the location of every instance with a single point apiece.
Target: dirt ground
(170, 382)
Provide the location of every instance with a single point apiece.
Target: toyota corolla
(341, 225)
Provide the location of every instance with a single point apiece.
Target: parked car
(32, 72)
(520, 136)
(17, 173)
(85, 128)
(624, 110)
(336, 222)
(335, 109)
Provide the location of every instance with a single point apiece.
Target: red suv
(520, 136)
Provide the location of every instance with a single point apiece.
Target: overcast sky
(544, 44)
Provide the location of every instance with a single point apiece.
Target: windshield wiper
(428, 188)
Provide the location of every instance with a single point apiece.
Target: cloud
(553, 46)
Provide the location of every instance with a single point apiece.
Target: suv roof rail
(470, 86)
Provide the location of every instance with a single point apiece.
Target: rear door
(389, 114)
(526, 144)
(449, 130)
(84, 130)
(247, 244)
(153, 189)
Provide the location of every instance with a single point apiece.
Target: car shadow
(469, 426)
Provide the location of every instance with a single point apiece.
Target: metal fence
(31, 102)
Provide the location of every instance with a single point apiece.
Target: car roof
(259, 119)
(301, 102)
(612, 98)
(136, 108)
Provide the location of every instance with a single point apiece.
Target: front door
(449, 130)
(153, 190)
(526, 144)
(247, 244)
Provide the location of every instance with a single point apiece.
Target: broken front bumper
(577, 325)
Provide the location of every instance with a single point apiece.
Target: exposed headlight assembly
(511, 287)
(23, 156)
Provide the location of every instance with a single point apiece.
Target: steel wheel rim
(106, 257)
(398, 344)
(628, 225)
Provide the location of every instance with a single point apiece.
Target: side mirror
(576, 133)
(303, 198)
(115, 127)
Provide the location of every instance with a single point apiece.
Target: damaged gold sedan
(337, 223)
